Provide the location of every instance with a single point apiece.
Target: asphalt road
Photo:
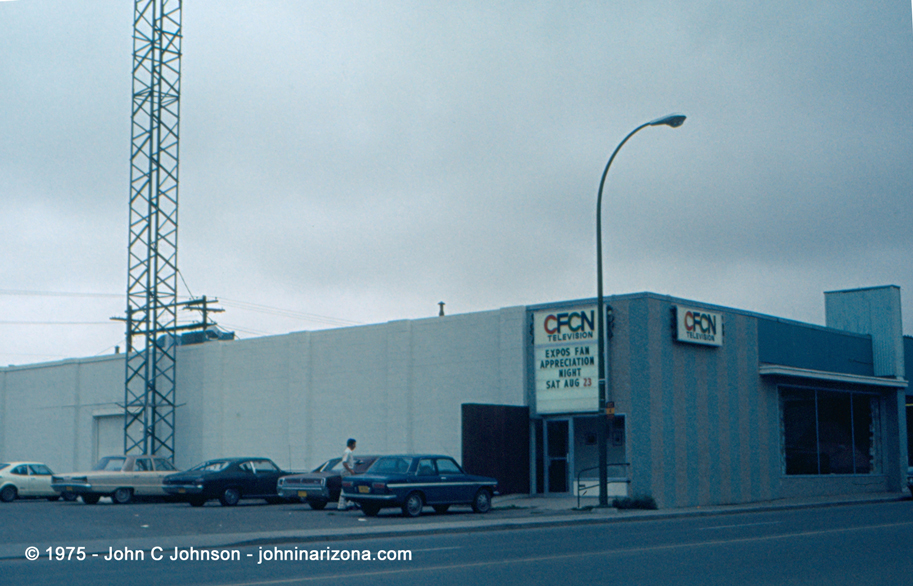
(859, 544)
(59, 522)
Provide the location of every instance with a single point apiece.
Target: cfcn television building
(712, 405)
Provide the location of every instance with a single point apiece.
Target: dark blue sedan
(413, 481)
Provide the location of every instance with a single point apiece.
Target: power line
(244, 305)
(55, 323)
(25, 293)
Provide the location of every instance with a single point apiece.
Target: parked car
(25, 480)
(120, 477)
(413, 481)
(323, 484)
(227, 479)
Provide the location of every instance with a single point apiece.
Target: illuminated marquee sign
(565, 345)
(696, 326)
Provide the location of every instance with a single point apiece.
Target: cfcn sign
(564, 354)
(697, 326)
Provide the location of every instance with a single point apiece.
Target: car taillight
(379, 486)
(347, 483)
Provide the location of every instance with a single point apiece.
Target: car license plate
(303, 493)
(182, 490)
(364, 489)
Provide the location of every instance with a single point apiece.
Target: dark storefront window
(828, 432)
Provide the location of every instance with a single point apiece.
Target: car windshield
(211, 466)
(392, 465)
(3, 465)
(110, 464)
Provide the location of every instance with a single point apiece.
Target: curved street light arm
(674, 121)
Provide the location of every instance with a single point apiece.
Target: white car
(119, 477)
(25, 480)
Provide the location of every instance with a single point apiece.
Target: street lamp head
(673, 120)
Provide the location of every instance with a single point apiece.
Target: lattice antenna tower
(152, 306)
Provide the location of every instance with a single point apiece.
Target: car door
(267, 475)
(247, 479)
(20, 478)
(40, 480)
(140, 476)
(427, 478)
(163, 468)
(454, 482)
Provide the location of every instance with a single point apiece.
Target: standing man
(348, 469)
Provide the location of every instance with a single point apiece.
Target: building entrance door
(557, 455)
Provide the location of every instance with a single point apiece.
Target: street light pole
(673, 120)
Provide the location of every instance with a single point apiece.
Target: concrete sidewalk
(549, 505)
(520, 511)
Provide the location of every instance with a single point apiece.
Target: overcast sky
(358, 162)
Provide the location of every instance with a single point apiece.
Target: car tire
(69, 496)
(122, 496)
(197, 502)
(317, 505)
(90, 499)
(370, 510)
(441, 509)
(230, 497)
(481, 503)
(412, 506)
(8, 493)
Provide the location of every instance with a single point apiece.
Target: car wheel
(69, 496)
(90, 499)
(370, 510)
(230, 497)
(412, 506)
(197, 502)
(482, 501)
(8, 493)
(122, 496)
(441, 509)
(317, 505)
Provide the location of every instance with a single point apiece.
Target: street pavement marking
(739, 525)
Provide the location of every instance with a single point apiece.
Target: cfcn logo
(577, 321)
(702, 322)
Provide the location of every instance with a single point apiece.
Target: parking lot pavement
(508, 512)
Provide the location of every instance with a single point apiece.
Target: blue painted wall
(703, 429)
(813, 347)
